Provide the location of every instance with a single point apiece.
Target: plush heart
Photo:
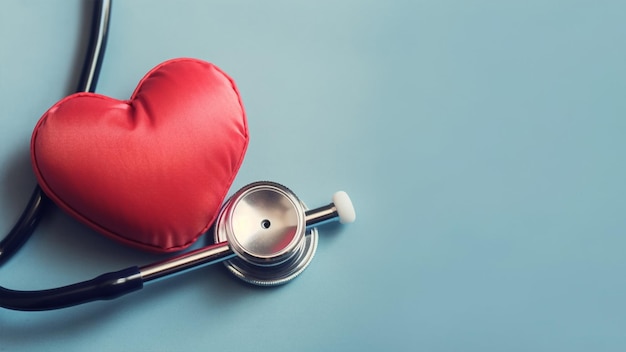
(151, 171)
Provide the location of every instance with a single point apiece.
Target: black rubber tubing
(104, 287)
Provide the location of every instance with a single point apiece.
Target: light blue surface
(482, 143)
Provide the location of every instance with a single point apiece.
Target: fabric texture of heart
(152, 171)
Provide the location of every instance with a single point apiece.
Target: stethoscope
(263, 234)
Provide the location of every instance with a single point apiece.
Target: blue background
(482, 142)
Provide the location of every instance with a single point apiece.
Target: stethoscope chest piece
(265, 225)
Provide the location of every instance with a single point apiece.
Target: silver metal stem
(321, 215)
(221, 251)
(191, 260)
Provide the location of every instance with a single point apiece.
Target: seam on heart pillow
(151, 171)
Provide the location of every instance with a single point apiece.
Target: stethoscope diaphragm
(265, 223)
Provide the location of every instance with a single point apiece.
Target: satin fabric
(151, 171)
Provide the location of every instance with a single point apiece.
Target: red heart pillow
(151, 171)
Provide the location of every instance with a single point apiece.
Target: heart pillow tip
(151, 171)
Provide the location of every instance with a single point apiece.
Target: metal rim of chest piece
(269, 234)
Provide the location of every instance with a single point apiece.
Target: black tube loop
(103, 287)
(90, 71)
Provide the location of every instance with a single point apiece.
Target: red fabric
(152, 171)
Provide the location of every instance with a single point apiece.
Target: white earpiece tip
(344, 206)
